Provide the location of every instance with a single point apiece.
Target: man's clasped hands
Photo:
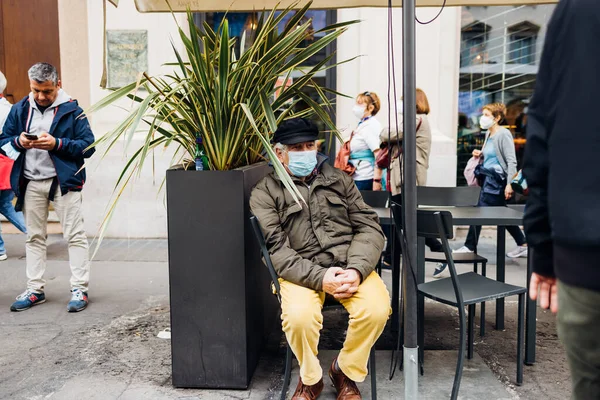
(341, 283)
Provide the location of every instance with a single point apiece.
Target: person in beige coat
(395, 136)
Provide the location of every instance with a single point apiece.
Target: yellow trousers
(302, 320)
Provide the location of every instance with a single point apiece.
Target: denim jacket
(491, 180)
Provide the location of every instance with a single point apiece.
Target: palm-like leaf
(227, 99)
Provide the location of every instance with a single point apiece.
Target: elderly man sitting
(330, 245)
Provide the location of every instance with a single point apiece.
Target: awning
(250, 5)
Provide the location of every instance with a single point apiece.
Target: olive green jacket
(334, 228)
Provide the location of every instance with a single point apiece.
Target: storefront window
(500, 53)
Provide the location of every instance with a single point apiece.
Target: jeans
(8, 210)
(490, 200)
(364, 185)
(578, 325)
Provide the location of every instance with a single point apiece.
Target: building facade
(467, 57)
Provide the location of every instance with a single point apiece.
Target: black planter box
(222, 308)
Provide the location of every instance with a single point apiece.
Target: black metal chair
(462, 290)
(463, 196)
(377, 199)
(287, 376)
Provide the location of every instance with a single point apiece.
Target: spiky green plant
(225, 98)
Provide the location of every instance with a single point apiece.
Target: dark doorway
(28, 34)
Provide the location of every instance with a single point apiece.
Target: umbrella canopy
(249, 5)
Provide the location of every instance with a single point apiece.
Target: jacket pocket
(289, 212)
(295, 225)
(337, 219)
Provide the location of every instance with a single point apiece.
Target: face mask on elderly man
(302, 163)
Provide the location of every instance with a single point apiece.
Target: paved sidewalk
(110, 351)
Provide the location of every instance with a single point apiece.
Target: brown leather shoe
(346, 388)
(305, 392)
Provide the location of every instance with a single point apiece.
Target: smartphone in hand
(31, 136)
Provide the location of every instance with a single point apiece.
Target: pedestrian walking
(494, 174)
(393, 138)
(364, 142)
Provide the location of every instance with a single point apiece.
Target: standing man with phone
(47, 170)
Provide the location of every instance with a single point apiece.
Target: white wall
(437, 63)
(74, 60)
(141, 211)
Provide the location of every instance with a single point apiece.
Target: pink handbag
(472, 164)
(470, 171)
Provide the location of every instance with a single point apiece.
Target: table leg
(421, 301)
(500, 273)
(395, 282)
(530, 318)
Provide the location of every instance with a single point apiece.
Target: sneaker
(79, 301)
(3, 257)
(26, 300)
(441, 271)
(520, 251)
(463, 249)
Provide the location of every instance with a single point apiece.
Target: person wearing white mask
(498, 168)
(364, 142)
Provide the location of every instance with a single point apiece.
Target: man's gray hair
(43, 72)
(280, 146)
(2, 82)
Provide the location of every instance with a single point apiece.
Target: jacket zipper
(310, 191)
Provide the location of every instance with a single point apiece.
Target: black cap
(296, 130)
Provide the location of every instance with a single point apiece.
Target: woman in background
(395, 137)
(498, 168)
(364, 142)
(393, 176)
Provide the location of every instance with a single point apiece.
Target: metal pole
(409, 86)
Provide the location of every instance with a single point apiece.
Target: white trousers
(68, 210)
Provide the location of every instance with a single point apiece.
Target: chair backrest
(426, 225)
(431, 224)
(265, 253)
(378, 199)
(448, 196)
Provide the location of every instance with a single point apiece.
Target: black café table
(493, 216)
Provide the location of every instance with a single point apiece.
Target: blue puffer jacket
(73, 135)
